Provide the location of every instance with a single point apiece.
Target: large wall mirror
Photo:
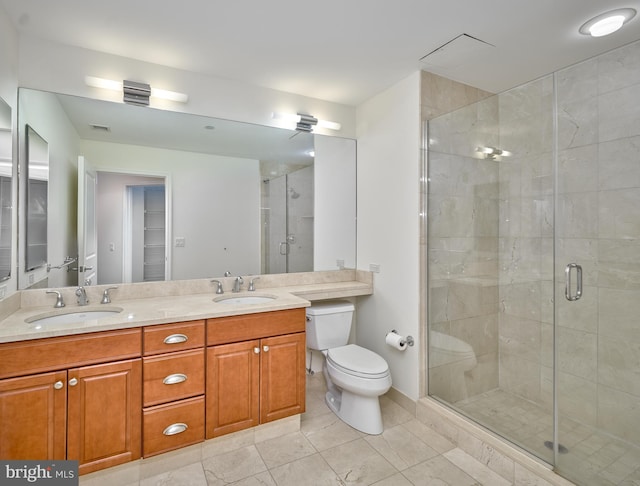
(6, 173)
(139, 194)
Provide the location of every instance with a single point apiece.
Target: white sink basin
(245, 299)
(73, 316)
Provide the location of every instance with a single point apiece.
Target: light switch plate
(374, 267)
(180, 241)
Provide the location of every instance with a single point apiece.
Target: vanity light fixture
(607, 23)
(304, 123)
(135, 92)
(492, 153)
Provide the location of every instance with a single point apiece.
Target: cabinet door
(282, 385)
(105, 409)
(33, 417)
(232, 387)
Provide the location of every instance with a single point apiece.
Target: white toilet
(355, 376)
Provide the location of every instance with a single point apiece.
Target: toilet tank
(329, 324)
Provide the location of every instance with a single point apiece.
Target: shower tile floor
(593, 458)
(325, 451)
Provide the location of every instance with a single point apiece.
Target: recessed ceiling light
(607, 23)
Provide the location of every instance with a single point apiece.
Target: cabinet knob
(175, 339)
(256, 350)
(58, 385)
(73, 382)
(174, 379)
(265, 348)
(174, 429)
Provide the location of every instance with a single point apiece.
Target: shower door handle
(567, 282)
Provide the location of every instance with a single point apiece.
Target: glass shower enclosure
(533, 231)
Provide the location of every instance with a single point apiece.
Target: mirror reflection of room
(237, 197)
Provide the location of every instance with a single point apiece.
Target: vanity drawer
(171, 426)
(173, 376)
(47, 354)
(223, 330)
(166, 338)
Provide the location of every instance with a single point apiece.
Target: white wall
(334, 173)
(388, 133)
(215, 204)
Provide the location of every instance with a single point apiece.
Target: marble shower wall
(491, 231)
(599, 227)
(463, 228)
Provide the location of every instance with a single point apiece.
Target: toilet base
(361, 413)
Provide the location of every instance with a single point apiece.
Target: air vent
(99, 128)
(456, 53)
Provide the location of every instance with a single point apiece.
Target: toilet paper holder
(408, 340)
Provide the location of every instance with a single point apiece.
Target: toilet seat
(357, 361)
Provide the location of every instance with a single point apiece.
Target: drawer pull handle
(256, 350)
(174, 429)
(175, 339)
(58, 385)
(174, 379)
(73, 382)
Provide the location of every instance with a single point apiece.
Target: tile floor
(324, 451)
(593, 458)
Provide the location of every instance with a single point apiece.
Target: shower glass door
(490, 263)
(534, 266)
(598, 232)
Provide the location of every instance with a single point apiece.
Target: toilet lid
(358, 360)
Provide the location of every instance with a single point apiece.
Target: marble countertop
(171, 308)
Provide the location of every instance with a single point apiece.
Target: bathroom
(396, 257)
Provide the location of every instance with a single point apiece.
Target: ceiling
(343, 51)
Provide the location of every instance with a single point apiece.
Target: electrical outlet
(32, 278)
(180, 241)
(3, 291)
(340, 264)
(112, 247)
(374, 267)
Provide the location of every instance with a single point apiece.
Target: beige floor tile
(475, 468)
(260, 479)
(395, 480)
(439, 471)
(429, 436)
(233, 466)
(357, 462)
(192, 475)
(400, 447)
(327, 430)
(308, 470)
(287, 448)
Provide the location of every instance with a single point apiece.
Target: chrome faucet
(252, 286)
(237, 283)
(82, 296)
(106, 296)
(59, 301)
(219, 289)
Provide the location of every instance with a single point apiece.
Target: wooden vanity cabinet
(173, 386)
(255, 370)
(87, 407)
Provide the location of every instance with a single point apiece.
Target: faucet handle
(252, 286)
(106, 297)
(219, 288)
(59, 302)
